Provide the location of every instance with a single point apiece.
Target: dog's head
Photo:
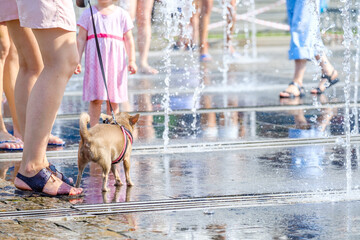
(121, 118)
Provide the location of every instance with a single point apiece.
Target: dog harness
(127, 134)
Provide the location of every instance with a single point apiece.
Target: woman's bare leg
(5, 44)
(11, 70)
(31, 65)
(59, 53)
(132, 9)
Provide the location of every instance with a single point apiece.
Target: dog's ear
(106, 117)
(134, 119)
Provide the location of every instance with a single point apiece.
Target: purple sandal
(63, 177)
(38, 182)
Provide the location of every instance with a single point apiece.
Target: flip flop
(53, 169)
(11, 149)
(291, 95)
(38, 182)
(56, 144)
(328, 83)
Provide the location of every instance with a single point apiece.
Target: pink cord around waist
(105, 35)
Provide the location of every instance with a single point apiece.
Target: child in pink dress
(113, 27)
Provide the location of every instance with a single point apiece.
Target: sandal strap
(296, 85)
(300, 88)
(37, 182)
(53, 169)
(318, 91)
(327, 76)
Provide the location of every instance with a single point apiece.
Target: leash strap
(100, 60)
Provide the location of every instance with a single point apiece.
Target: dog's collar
(127, 134)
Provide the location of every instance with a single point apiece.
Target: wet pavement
(237, 162)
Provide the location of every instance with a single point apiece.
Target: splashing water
(175, 13)
(348, 38)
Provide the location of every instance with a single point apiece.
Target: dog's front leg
(81, 166)
(115, 171)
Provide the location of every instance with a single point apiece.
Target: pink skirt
(8, 10)
(41, 14)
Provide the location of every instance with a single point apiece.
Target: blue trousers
(303, 16)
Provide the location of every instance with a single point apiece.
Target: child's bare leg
(94, 112)
(206, 6)
(115, 107)
(194, 21)
(143, 19)
(126, 107)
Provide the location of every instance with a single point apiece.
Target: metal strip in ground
(205, 203)
(225, 109)
(199, 147)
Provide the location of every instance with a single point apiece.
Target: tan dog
(104, 144)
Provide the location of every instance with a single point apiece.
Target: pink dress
(110, 30)
(8, 11)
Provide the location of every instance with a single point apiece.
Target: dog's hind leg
(115, 171)
(127, 170)
(106, 166)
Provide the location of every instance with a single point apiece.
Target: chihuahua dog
(107, 144)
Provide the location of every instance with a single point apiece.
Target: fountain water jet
(348, 39)
(175, 13)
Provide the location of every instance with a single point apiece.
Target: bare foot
(8, 141)
(146, 69)
(54, 186)
(54, 140)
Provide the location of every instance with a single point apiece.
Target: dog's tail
(84, 120)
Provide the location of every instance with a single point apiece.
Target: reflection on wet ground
(292, 169)
(230, 135)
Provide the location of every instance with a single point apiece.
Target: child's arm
(81, 42)
(130, 50)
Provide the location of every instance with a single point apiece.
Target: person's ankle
(30, 169)
(298, 82)
(144, 64)
(330, 70)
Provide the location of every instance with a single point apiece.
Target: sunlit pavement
(237, 162)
